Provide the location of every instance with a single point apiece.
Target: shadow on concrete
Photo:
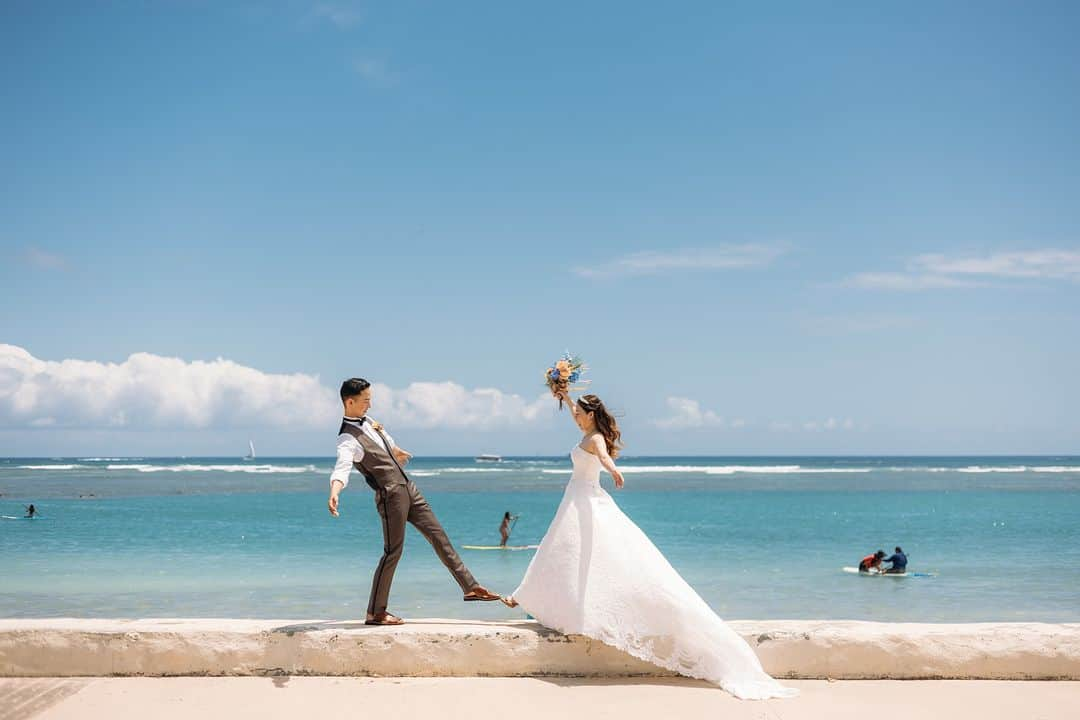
(521, 626)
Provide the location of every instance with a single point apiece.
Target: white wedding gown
(597, 574)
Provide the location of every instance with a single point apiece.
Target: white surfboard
(500, 547)
(855, 571)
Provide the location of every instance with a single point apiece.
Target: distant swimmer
(31, 511)
(898, 562)
(507, 527)
(872, 562)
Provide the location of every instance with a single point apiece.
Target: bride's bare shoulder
(592, 443)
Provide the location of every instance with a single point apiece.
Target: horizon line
(560, 455)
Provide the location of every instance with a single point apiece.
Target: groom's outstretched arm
(348, 452)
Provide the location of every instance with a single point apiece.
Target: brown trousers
(397, 505)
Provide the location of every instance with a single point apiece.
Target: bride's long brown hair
(605, 423)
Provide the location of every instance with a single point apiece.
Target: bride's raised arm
(564, 396)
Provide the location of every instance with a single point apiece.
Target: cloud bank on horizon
(154, 392)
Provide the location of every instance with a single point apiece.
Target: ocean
(759, 538)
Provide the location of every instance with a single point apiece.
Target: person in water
(898, 562)
(872, 562)
(31, 511)
(505, 527)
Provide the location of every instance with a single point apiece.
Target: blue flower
(574, 376)
(554, 374)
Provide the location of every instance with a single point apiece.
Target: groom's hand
(402, 456)
(332, 504)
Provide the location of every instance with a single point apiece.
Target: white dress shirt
(349, 450)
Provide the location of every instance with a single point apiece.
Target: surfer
(898, 562)
(31, 511)
(506, 527)
(872, 562)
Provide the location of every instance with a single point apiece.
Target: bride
(597, 574)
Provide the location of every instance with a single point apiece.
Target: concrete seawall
(787, 648)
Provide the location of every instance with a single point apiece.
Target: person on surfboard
(872, 562)
(506, 527)
(898, 562)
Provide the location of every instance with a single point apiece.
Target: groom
(363, 445)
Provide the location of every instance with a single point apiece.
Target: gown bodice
(586, 467)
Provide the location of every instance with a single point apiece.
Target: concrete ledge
(788, 649)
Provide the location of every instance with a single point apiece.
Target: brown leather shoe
(481, 594)
(384, 619)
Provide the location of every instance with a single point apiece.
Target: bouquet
(565, 373)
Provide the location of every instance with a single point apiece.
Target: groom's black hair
(353, 386)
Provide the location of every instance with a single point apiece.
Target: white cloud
(828, 425)
(45, 260)
(154, 392)
(904, 281)
(341, 15)
(687, 413)
(149, 390)
(449, 405)
(1032, 264)
(717, 258)
(932, 270)
(375, 72)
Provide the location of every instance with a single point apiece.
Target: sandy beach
(521, 698)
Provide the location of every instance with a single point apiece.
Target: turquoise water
(758, 537)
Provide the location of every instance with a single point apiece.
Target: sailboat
(251, 451)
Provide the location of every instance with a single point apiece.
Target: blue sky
(769, 228)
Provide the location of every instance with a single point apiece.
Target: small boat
(488, 458)
(251, 451)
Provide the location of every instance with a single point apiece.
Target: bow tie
(358, 421)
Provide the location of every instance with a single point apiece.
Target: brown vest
(378, 466)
